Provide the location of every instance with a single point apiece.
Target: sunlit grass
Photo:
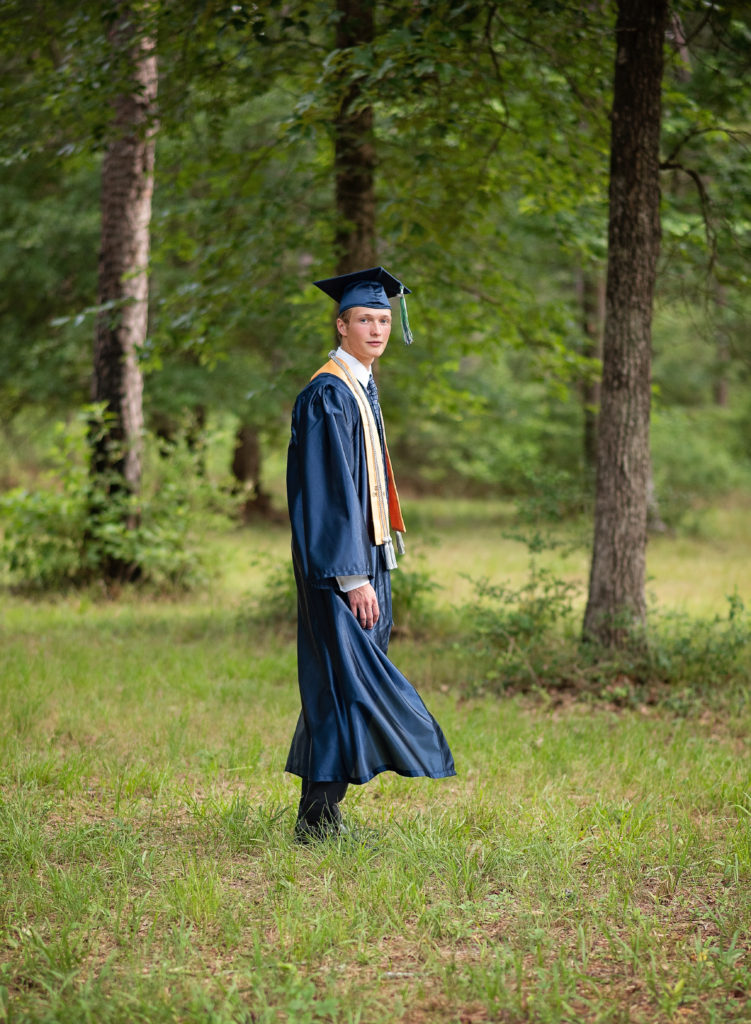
(460, 542)
(586, 864)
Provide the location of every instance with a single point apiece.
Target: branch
(740, 136)
(493, 57)
(687, 40)
(706, 204)
(560, 66)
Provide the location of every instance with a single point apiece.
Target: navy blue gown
(360, 716)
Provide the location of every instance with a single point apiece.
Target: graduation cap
(370, 288)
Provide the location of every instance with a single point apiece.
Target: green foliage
(526, 637)
(277, 604)
(696, 455)
(508, 616)
(505, 428)
(700, 654)
(517, 630)
(48, 242)
(412, 592)
(69, 532)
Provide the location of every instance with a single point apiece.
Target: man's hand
(364, 605)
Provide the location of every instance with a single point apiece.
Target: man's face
(367, 334)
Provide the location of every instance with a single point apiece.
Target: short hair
(346, 316)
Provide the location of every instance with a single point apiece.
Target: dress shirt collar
(361, 373)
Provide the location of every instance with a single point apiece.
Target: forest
(460, 145)
(564, 189)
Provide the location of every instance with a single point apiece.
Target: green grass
(461, 541)
(588, 863)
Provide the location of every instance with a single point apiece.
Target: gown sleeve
(327, 485)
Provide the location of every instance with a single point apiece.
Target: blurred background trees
(478, 135)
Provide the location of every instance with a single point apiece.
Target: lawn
(588, 863)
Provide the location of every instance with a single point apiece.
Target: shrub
(411, 593)
(410, 589)
(529, 637)
(277, 605)
(700, 652)
(68, 533)
(518, 631)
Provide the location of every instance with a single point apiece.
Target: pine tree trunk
(127, 185)
(246, 469)
(616, 608)
(354, 150)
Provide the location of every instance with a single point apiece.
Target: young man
(360, 716)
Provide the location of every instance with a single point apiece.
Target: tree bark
(246, 469)
(616, 607)
(354, 150)
(127, 186)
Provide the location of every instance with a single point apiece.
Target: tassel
(388, 554)
(406, 332)
(400, 548)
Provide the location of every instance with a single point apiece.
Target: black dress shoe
(335, 831)
(320, 831)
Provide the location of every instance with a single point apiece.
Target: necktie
(373, 397)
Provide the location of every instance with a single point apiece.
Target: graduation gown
(360, 716)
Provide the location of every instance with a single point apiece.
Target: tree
(480, 141)
(127, 186)
(616, 606)
(354, 147)
(707, 103)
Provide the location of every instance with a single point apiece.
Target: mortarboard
(370, 288)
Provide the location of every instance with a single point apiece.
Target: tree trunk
(127, 185)
(246, 469)
(354, 150)
(616, 608)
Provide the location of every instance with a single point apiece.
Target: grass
(589, 863)
(461, 541)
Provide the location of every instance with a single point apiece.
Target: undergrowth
(75, 524)
(529, 636)
(526, 637)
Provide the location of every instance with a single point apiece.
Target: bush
(700, 653)
(410, 590)
(411, 593)
(277, 605)
(518, 632)
(68, 534)
(529, 637)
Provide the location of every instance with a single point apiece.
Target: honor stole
(383, 512)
